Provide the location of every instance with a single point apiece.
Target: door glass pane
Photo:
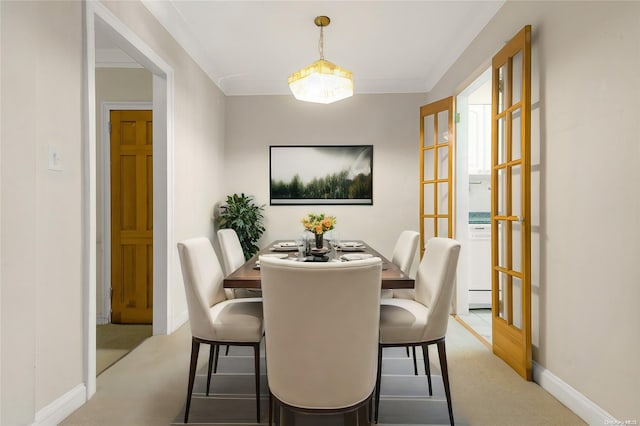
(502, 244)
(516, 78)
(443, 127)
(429, 207)
(429, 231)
(502, 291)
(516, 300)
(443, 227)
(428, 164)
(501, 88)
(428, 130)
(516, 190)
(443, 198)
(501, 192)
(516, 246)
(516, 135)
(502, 149)
(443, 162)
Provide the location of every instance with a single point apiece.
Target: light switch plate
(55, 160)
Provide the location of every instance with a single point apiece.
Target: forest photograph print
(323, 174)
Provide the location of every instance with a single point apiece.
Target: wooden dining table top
(248, 276)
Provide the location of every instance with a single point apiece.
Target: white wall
(391, 123)
(41, 209)
(586, 166)
(199, 113)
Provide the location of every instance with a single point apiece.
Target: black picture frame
(320, 175)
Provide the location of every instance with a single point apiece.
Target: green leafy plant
(246, 218)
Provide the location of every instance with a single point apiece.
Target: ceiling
(251, 47)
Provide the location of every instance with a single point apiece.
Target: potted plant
(246, 218)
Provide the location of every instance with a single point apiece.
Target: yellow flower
(318, 223)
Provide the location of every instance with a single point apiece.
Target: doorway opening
(473, 209)
(163, 241)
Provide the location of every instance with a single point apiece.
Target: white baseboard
(101, 320)
(61, 408)
(586, 409)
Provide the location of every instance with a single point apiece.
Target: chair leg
(408, 354)
(212, 350)
(270, 409)
(445, 377)
(215, 361)
(378, 387)
(226, 353)
(195, 349)
(363, 415)
(415, 362)
(351, 418)
(256, 356)
(427, 368)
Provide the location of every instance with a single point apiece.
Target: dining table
(248, 275)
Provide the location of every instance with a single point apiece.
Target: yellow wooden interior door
(511, 203)
(131, 217)
(436, 170)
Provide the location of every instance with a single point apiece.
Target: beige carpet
(113, 341)
(148, 387)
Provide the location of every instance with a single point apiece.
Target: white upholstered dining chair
(423, 321)
(321, 335)
(403, 256)
(233, 258)
(214, 319)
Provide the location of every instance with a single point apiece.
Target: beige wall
(198, 140)
(586, 166)
(41, 230)
(41, 209)
(113, 85)
(388, 122)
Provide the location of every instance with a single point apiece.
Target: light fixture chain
(321, 42)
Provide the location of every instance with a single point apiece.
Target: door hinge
(109, 123)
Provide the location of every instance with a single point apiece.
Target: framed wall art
(321, 174)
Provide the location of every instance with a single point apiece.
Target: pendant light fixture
(321, 82)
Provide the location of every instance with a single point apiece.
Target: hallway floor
(480, 321)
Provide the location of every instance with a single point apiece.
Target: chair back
(202, 276)
(232, 254)
(404, 251)
(321, 326)
(434, 283)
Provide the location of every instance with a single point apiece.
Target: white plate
(286, 244)
(356, 256)
(278, 255)
(350, 244)
(361, 248)
(278, 248)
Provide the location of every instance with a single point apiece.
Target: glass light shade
(321, 82)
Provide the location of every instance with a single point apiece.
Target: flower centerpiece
(318, 224)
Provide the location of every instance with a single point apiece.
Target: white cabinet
(479, 266)
(479, 139)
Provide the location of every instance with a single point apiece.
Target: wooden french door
(436, 170)
(511, 203)
(131, 217)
